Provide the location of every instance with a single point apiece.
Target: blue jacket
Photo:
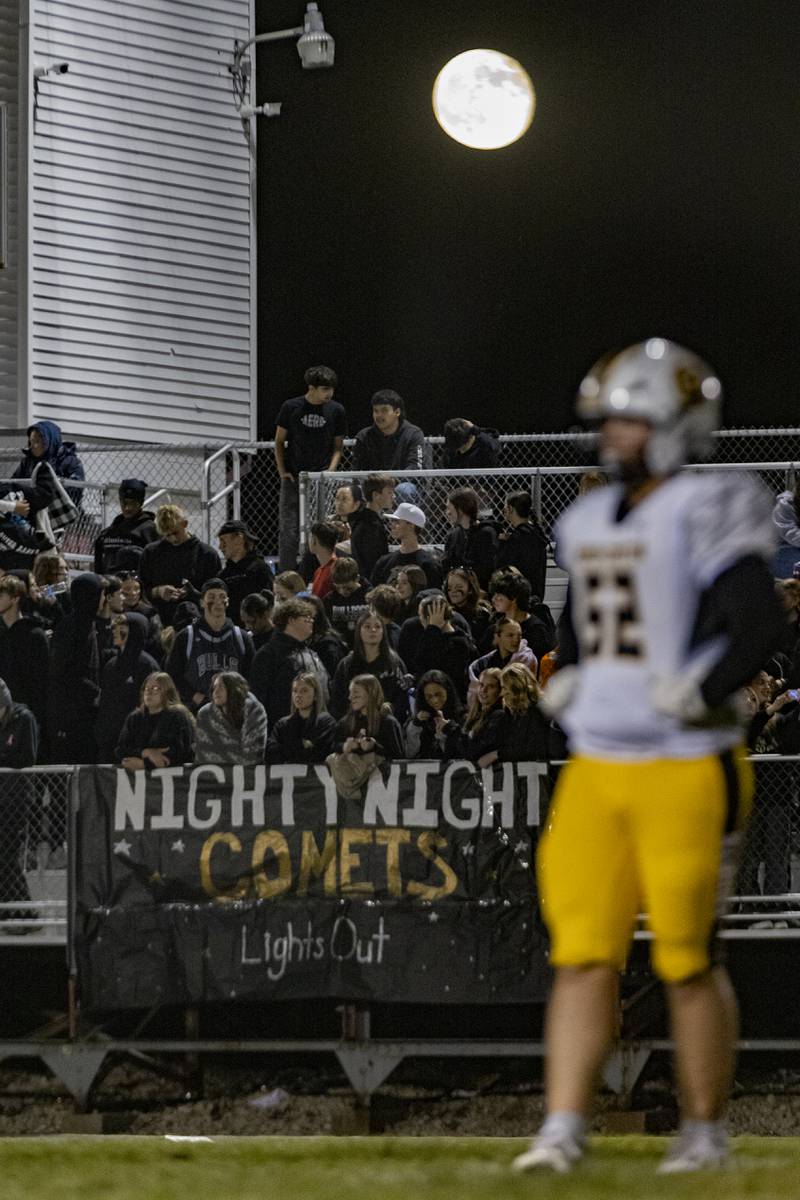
(62, 457)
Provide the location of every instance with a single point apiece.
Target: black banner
(202, 884)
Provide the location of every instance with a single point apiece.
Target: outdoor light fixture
(315, 47)
(484, 99)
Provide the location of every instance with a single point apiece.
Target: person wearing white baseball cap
(404, 524)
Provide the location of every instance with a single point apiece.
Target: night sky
(655, 193)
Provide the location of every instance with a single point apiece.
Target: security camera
(59, 68)
(315, 47)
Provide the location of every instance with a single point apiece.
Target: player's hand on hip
(562, 687)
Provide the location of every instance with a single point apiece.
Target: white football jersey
(635, 588)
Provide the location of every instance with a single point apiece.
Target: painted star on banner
(433, 918)
(178, 846)
(521, 847)
(468, 850)
(122, 847)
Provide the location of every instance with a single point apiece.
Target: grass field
(371, 1169)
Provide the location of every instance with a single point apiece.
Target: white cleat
(558, 1155)
(696, 1152)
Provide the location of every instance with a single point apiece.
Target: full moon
(484, 99)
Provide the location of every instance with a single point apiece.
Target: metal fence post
(302, 514)
(72, 899)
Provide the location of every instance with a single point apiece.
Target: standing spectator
(472, 543)
(369, 539)
(306, 735)
(24, 653)
(436, 703)
(786, 519)
(120, 545)
(322, 544)
(520, 733)
(406, 522)
(285, 655)
(325, 641)
(207, 646)
(409, 582)
(385, 602)
(74, 691)
(442, 646)
(368, 726)
(132, 600)
(510, 594)
(525, 545)
(467, 446)
(288, 585)
(347, 600)
(371, 655)
(347, 501)
(45, 444)
(19, 738)
(121, 681)
(245, 571)
(160, 732)
(390, 443)
(257, 617)
(464, 593)
(309, 436)
(232, 729)
(509, 647)
(174, 568)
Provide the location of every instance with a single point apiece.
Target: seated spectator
(51, 577)
(160, 732)
(471, 543)
(245, 571)
(19, 740)
(288, 585)
(306, 735)
(510, 595)
(436, 702)
(121, 681)
(207, 646)
(286, 655)
(347, 599)
(464, 593)
(788, 592)
(412, 629)
(509, 647)
(385, 602)
(232, 729)
(322, 544)
(113, 606)
(24, 652)
(524, 546)
(409, 581)
(134, 527)
(464, 741)
(174, 568)
(467, 446)
(371, 655)
(405, 524)
(369, 538)
(368, 726)
(347, 501)
(325, 641)
(257, 617)
(520, 733)
(45, 444)
(442, 647)
(74, 688)
(132, 600)
(590, 480)
(391, 443)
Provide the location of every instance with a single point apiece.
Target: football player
(671, 609)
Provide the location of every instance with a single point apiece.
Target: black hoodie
(484, 452)
(526, 549)
(405, 450)
(121, 685)
(369, 539)
(193, 561)
(24, 664)
(75, 675)
(123, 536)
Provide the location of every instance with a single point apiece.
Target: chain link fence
(34, 854)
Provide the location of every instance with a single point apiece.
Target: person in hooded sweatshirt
(74, 691)
(442, 647)
(524, 545)
(245, 571)
(19, 738)
(232, 729)
(174, 568)
(786, 519)
(468, 446)
(45, 444)
(207, 646)
(369, 536)
(24, 652)
(122, 680)
(285, 655)
(133, 528)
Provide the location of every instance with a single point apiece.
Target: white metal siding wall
(142, 290)
(9, 276)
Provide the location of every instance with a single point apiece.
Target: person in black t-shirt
(309, 436)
